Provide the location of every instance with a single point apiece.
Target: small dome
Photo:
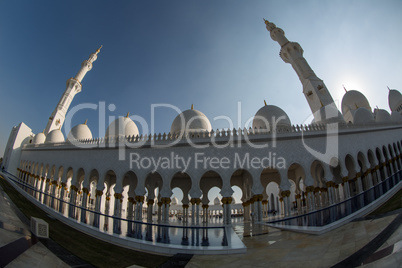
(233, 200)
(79, 132)
(122, 126)
(396, 117)
(362, 116)
(395, 100)
(190, 121)
(174, 201)
(328, 114)
(54, 136)
(382, 116)
(271, 116)
(39, 138)
(352, 100)
(217, 201)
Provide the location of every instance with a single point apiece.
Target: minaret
(314, 89)
(74, 86)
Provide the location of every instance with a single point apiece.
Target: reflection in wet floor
(248, 229)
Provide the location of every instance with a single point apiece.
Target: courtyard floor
(266, 246)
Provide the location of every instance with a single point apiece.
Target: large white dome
(382, 116)
(395, 100)
(190, 121)
(79, 132)
(174, 201)
(122, 126)
(39, 138)
(352, 100)
(54, 136)
(363, 116)
(269, 117)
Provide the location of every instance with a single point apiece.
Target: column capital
(194, 201)
(118, 196)
(285, 193)
(309, 188)
(85, 190)
(131, 200)
(99, 193)
(150, 202)
(73, 187)
(166, 200)
(258, 197)
(226, 200)
(139, 199)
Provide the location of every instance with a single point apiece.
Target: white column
(160, 211)
(197, 211)
(140, 202)
(117, 213)
(192, 211)
(85, 193)
(98, 201)
(150, 203)
(73, 198)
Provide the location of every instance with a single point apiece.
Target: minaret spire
(314, 89)
(73, 87)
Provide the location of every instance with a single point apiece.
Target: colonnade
(361, 173)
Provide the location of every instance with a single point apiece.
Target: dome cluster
(355, 110)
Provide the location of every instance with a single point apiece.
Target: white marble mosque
(281, 168)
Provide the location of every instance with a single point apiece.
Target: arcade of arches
(313, 187)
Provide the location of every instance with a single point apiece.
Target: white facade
(314, 166)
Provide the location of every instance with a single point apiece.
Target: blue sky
(212, 54)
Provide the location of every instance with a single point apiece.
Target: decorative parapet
(220, 135)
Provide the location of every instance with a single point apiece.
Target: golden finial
(266, 22)
(357, 107)
(192, 106)
(265, 103)
(128, 113)
(86, 121)
(98, 50)
(344, 88)
(322, 105)
(388, 88)
(377, 107)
